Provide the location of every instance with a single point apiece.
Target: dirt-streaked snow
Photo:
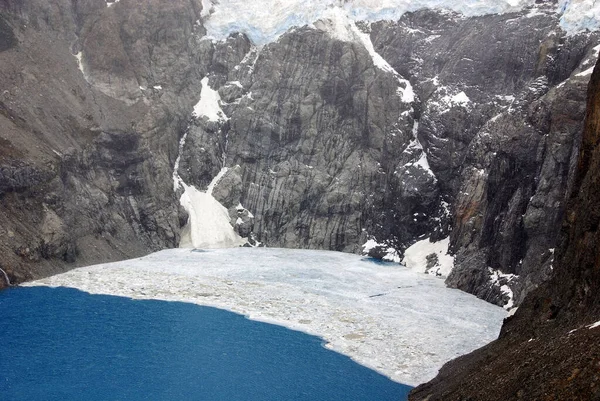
(415, 257)
(401, 323)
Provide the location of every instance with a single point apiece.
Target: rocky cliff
(506, 157)
(431, 126)
(549, 348)
(88, 136)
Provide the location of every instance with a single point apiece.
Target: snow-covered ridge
(265, 20)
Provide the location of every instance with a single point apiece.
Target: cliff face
(88, 139)
(549, 348)
(505, 159)
(326, 149)
(432, 126)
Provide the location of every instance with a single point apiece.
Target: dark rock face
(326, 153)
(549, 348)
(7, 37)
(319, 143)
(505, 159)
(86, 156)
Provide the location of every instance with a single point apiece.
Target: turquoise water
(64, 344)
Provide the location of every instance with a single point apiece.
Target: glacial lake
(65, 344)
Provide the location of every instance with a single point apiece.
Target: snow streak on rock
(415, 144)
(340, 26)
(501, 280)
(208, 221)
(209, 105)
(6, 277)
(79, 57)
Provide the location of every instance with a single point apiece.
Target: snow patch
(460, 98)
(415, 257)
(240, 208)
(234, 83)
(111, 3)
(448, 101)
(585, 73)
(422, 162)
(208, 222)
(209, 105)
(207, 8)
(79, 57)
(594, 325)
(500, 279)
(391, 254)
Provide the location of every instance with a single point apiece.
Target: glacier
(387, 317)
(265, 20)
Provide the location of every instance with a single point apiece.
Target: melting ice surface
(401, 323)
(64, 344)
(264, 20)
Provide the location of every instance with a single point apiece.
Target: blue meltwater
(64, 344)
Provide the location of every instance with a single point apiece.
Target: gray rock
(322, 151)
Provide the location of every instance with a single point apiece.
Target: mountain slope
(336, 134)
(86, 153)
(549, 348)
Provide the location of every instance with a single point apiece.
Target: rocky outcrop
(549, 348)
(501, 125)
(92, 105)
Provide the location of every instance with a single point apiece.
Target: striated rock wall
(503, 100)
(93, 101)
(325, 153)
